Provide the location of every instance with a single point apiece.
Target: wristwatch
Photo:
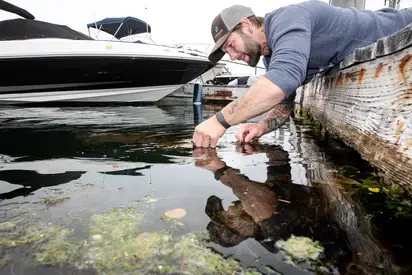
(219, 172)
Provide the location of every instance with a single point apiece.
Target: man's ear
(246, 25)
(246, 21)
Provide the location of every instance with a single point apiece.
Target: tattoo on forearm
(275, 123)
(233, 106)
(277, 116)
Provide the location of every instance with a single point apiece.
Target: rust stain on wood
(223, 93)
(339, 79)
(326, 85)
(332, 80)
(347, 77)
(404, 62)
(406, 95)
(399, 131)
(361, 75)
(220, 95)
(379, 70)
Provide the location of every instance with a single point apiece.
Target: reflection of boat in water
(145, 134)
(103, 140)
(44, 62)
(30, 177)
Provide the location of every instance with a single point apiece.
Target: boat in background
(41, 62)
(220, 88)
(230, 82)
(135, 30)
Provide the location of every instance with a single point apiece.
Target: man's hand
(250, 131)
(275, 118)
(250, 148)
(259, 98)
(208, 132)
(207, 159)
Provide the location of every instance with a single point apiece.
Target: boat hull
(121, 95)
(92, 71)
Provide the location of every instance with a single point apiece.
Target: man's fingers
(213, 142)
(197, 139)
(205, 141)
(239, 133)
(199, 152)
(252, 134)
(243, 131)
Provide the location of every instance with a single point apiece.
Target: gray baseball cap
(223, 25)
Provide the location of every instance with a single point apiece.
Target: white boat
(41, 62)
(131, 29)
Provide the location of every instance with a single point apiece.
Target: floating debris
(177, 213)
(53, 200)
(147, 199)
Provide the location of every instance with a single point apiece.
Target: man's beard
(253, 50)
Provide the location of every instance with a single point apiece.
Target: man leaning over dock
(296, 41)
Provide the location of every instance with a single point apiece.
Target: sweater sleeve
(288, 36)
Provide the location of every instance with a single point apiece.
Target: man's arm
(259, 98)
(276, 117)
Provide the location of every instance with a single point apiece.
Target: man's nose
(231, 54)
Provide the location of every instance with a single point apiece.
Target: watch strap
(219, 172)
(222, 120)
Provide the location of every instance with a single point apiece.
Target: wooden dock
(366, 100)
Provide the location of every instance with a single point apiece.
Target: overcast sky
(172, 21)
(176, 21)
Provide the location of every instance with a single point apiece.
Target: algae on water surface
(115, 244)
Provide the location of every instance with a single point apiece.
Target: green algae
(300, 249)
(114, 243)
(175, 224)
(4, 261)
(59, 248)
(7, 226)
(305, 254)
(11, 235)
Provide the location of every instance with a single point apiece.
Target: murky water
(85, 190)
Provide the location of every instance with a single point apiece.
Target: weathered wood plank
(369, 105)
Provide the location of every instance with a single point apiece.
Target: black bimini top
(121, 26)
(28, 28)
(16, 10)
(19, 29)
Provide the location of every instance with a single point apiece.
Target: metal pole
(114, 35)
(358, 4)
(393, 3)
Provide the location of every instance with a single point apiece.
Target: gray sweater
(308, 37)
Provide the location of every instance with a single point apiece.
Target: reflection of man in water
(266, 211)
